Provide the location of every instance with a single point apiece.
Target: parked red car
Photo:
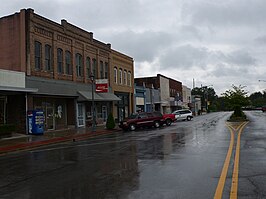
(142, 119)
(169, 119)
(263, 108)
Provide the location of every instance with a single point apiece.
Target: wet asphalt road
(181, 161)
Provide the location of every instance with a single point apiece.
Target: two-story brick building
(57, 62)
(170, 92)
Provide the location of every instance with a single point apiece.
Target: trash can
(35, 122)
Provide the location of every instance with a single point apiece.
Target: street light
(93, 105)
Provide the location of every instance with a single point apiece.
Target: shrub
(110, 124)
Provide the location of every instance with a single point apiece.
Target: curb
(34, 144)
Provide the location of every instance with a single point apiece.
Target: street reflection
(80, 173)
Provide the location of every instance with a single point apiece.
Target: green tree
(207, 94)
(110, 123)
(236, 98)
(258, 99)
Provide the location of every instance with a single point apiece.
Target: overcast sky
(217, 43)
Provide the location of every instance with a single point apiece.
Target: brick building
(55, 63)
(170, 92)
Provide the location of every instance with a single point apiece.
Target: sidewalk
(23, 141)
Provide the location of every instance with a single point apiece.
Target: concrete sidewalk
(23, 141)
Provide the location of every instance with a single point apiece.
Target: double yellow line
(219, 190)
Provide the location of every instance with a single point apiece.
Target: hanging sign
(101, 85)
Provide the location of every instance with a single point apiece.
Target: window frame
(120, 76)
(68, 63)
(79, 65)
(37, 55)
(88, 67)
(60, 69)
(115, 75)
(48, 56)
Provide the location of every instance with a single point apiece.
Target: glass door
(104, 113)
(50, 119)
(81, 114)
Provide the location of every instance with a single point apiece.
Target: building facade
(170, 92)
(61, 63)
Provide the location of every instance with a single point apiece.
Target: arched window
(125, 77)
(79, 65)
(101, 70)
(129, 78)
(48, 57)
(120, 76)
(94, 68)
(106, 70)
(88, 67)
(60, 61)
(38, 53)
(68, 63)
(115, 75)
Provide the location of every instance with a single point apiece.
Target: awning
(18, 89)
(109, 96)
(100, 97)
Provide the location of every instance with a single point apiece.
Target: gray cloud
(217, 41)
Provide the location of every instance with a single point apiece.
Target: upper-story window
(125, 77)
(115, 75)
(60, 61)
(48, 58)
(101, 70)
(79, 66)
(94, 68)
(88, 67)
(129, 78)
(38, 52)
(68, 63)
(106, 70)
(120, 76)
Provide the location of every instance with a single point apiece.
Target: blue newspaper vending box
(35, 122)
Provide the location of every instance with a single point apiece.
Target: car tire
(157, 124)
(188, 118)
(168, 122)
(132, 127)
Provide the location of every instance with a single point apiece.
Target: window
(106, 70)
(60, 61)
(88, 67)
(129, 78)
(125, 77)
(68, 63)
(120, 76)
(38, 52)
(115, 75)
(94, 68)
(79, 66)
(101, 69)
(47, 57)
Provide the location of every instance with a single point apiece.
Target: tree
(110, 123)
(236, 98)
(206, 94)
(258, 99)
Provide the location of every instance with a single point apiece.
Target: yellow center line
(220, 186)
(234, 185)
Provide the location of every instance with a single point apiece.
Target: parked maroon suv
(142, 119)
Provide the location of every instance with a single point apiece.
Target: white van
(183, 114)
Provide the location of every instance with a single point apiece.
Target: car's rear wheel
(188, 118)
(157, 124)
(132, 127)
(168, 122)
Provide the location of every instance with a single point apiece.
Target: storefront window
(54, 112)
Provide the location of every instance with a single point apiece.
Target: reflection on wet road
(181, 161)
